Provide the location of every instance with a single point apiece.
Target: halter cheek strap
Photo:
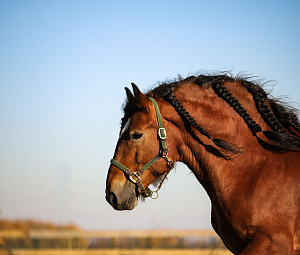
(135, 177)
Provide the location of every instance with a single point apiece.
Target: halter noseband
(135, 177)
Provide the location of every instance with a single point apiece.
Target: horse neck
(220, 121)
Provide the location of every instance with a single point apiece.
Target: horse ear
(139, 96)
(136, 90)
(129, 94)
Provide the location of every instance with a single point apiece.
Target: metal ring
(156, 194)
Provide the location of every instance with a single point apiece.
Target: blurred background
(63, 69)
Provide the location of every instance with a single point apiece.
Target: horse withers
(242, 146)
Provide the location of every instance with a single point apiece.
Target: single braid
(287, 118)
(259, 96)
(184, 113)
(222, 144)
(222, 92)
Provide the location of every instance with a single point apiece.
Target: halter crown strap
(161, 131)
(135, 177)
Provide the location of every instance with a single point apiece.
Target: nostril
(114, 199)
(111, 198)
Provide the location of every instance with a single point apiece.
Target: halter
(135, 177)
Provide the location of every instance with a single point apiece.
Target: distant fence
(119, 252)
(131, 242)
(48, 234)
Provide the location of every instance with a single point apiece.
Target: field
(135, 242)
(119, 252)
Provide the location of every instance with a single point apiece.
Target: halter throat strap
(135, 177)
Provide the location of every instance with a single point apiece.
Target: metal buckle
(162, 133)
(170, 161)
(134, 174)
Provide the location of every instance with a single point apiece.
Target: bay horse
(241, 145)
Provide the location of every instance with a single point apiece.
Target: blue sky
(63, 67)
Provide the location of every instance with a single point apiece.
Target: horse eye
(137, 136)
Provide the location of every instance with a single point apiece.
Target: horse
(241, 144)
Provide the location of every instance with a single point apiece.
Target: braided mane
(282, 119)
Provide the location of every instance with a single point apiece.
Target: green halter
(135, 177)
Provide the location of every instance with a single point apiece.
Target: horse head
(137, 160)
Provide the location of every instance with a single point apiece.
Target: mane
(280, 117)
(163, 89)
